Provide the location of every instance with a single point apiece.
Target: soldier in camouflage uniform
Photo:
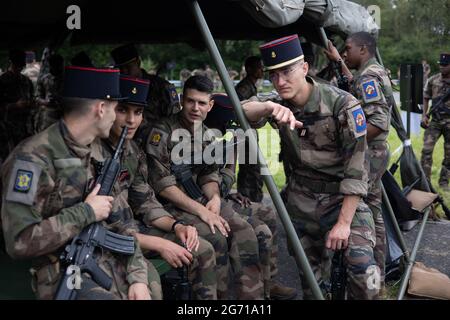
(262, 218)
(16, 102)
(372, 87)
(48, 95)
(159, 231)
(329, 167)
(249, 180)
(436, 87)
(209, 212)
(46, 199)
(32, 68)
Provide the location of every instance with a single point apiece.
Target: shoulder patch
(23, 182)
(155, 137)
(371, 91)
(357, 121)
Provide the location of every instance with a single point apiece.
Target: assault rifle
(79, 256)
(338, 276)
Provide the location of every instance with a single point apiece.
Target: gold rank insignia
(155, 139)
(274, 55)
(134, 90)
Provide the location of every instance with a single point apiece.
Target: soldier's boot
(280, 292)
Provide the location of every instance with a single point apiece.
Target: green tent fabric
(36, 23)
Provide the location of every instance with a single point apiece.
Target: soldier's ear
(363, 50)
(305, 67)
(211, 104)
(99, 108)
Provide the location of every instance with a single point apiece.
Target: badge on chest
(303, 132)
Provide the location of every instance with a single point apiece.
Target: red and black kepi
(281, 52)
(92, 83)
(135, 89)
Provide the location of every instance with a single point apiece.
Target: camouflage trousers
(379, 158)
(264, 222)
(249, 180)
(240, 250)
(202, 270)
(45, 280)
(432, 135)
(313, 216)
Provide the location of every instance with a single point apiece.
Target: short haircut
(77, 106)
(199, 83)
(251, 63)
(17, 57)
(365, 39)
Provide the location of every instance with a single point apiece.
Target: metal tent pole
(412, 258)
(395, 223)
(299, 253)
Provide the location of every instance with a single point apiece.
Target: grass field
(269, 143)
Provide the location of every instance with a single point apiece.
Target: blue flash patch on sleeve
(360, 120)
(370, 91)
(23, 182)
(174, 98)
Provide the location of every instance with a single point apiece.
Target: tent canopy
(32, 23)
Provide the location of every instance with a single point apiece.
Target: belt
(318, 186)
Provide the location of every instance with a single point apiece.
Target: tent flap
(337, 16)
(346, 17)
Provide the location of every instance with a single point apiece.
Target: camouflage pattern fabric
(246, 89)
(14, 122)
(49, 88)
(161, 102)
(328, 161)
(133, 188)
(44, 181)
(371, 86)
(31, 71)
(263, 221)
(437, 87)
(249, 180)
(315, 215)
(243, 245)
(202, 270)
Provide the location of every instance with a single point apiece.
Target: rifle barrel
(123, 135)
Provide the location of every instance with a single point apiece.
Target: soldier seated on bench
(160, 232)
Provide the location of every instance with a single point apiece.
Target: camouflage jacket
(159, 146)
(133, 196)
(162, 98)
(45, 180)
(49, 88)
(246, 89)
(371, 86)
(436, 87)
(332, 144)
